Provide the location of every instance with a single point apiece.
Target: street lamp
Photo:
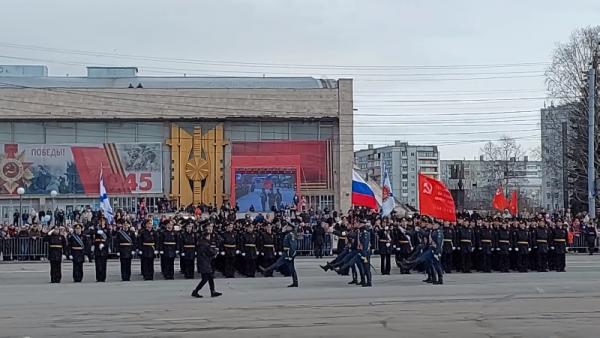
(20, 192)
(53, 194)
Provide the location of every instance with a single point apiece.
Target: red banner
(513, 205)
(435, 200)
(499, 202)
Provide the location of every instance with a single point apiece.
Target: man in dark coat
(56, 246)
(205, 257)
(77, 244)
(318, 238)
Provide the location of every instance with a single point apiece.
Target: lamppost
(53, 194)
(20, 192)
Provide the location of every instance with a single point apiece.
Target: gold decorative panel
(197, 165)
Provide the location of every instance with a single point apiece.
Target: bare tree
(502, 165)
(566, 83)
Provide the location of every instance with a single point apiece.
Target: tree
(502, 165)
(567, 84)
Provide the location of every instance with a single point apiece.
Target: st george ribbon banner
(435, 200)
(128, 168)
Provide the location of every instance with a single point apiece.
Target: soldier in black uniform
(504, 246)
(77, 248)
(147, 247)
(229, 250)
(205, 255)
(167, 246)
(126, 240)
(448, 247)
(522, 241)
(57, 245)
(485, 244)
(540, 240)
(385, 249)
(101, 240)
(214, 241)
(559, 243)
(465, 242)
(318, 239)
(590, 234)
(248, 248)
(187, 248)
(402, 244)
(267, 243)
(340, 230)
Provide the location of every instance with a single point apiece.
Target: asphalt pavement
(468, 305)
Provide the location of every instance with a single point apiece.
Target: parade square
(468, 305)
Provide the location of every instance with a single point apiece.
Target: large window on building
(150, 132)
(29, 132)
(5, 132)
(304, 130)
(121, 132)
(244, 131)
(91, 132)
(274, 131)
(61, 133)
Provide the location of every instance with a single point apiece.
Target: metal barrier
(306, 247)
(23, 248)
(26, 248)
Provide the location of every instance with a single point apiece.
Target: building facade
(473, 184)
(188, 140)
(403, 162)
(555, 129)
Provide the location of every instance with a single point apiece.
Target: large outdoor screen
(260, 192)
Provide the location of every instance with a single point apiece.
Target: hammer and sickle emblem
(427, 188)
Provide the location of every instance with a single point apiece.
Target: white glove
(133, 252)
(262, 253)
(509, 249)
(99, 232)
(387, 244)
(64, 257)
(458, 248)
(118, 254)
(280, 253)
(183, 254)
(237, 252)
(101, 246)
(529, 249)
(70, 257)
(222, 253)
(480, 248)
(161, 252)
(516, 249)
(393, 246)
(139, 252)
(453, 248)
(155, 252)
(551, 248)
(343, 233)
(243, 254)
(177, 252)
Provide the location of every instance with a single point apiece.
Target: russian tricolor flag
(362, 194)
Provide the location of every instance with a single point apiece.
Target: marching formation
(248, 246)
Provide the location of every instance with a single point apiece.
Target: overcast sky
(453, 73)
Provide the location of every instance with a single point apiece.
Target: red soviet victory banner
(499, 202)
(513, 204)
(435, 200)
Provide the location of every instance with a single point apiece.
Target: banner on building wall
(128, 168)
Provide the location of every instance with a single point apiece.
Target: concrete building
(473, 187)
(187, 140)
(404, 162)
(554, 123)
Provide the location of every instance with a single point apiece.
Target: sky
(449, 73)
